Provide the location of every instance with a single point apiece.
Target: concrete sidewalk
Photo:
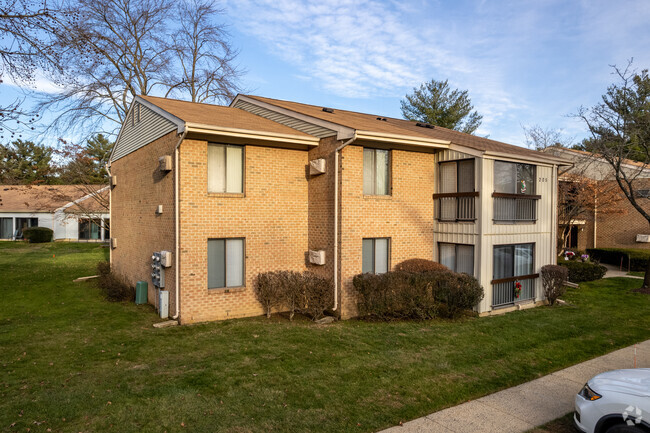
(526, 406)
(614, 271)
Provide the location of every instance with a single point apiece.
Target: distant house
(264, 184)
(74, 213)
(624, 228)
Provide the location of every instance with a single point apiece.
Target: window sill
(377, 197)
(222, 290)
(457, 221)
(226, 194)
(514, 223)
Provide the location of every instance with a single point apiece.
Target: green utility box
(141, 290)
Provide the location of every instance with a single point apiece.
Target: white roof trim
(402, 139)
(252, 134)
(342, 132)
(79, 200)
(537, 160)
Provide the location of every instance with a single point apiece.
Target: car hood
(634, 382)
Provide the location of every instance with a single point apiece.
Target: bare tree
(540, 138)
(620, 131)
(139, 47)
(205, 69)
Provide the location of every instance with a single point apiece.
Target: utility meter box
(163, 304)
(317, 257)
(157, 271)
(317, 166)
(166, 259)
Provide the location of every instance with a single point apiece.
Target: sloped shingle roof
(42, 198)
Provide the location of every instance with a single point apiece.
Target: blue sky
(523, 62)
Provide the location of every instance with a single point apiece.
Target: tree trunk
(646, 278)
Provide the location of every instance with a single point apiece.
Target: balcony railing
(503, 290)
(515, 207)
(456, 206)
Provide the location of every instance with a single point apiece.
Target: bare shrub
(553, 278)
(319, 294)
(114, 287)
(268, 291)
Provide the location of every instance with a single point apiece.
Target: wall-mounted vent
(113, 181)
(113, 243)
(328, 110)
(317, 166)
(165, 163)
(424, 125)
(643, 238)
(317, 257)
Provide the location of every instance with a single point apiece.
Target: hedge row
(416, 295)
(305, 293)
(37, 235)
(636, 259)
(583, 271)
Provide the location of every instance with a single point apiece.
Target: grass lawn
(560, 425)
(636, 274)
(74, 362)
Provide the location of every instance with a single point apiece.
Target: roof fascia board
(79, 200)
(402, 139)
(540, 160)
(467, 150)
(246, 133)
(342, 132)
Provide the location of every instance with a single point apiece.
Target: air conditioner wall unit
(317, 257)
(643, 238)
(317, 166)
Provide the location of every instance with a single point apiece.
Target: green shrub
(635, 259)
(420, 265)
(38, 235)
(579, 271)
(408, 295)
(458, 292)
(553, 278)
(115, 287)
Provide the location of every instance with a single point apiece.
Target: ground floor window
(107, 229)
(88, 230)
(376, 255)
(457, 257)
(225, 263)
(513, 264)
(6, 228)
(23, 223)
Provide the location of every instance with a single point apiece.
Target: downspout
(110, 213)
(336, 219)
(177, 226)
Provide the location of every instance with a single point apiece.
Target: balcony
(456, 206)
(503, 290)
(515, 208)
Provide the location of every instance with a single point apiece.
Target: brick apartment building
(267, 185)
(620, 226)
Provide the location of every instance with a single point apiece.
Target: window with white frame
(514, 178)
(376, 255)
(225, 168)
(225, 263)
(376, 172)
(457, 257)
(6, 228)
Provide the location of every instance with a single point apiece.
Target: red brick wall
(272, 216)
(139, 231)
(620, 230)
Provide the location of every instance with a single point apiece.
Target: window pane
(381, 256)
(525, 179)
(382, 167)
(84, 229)
(505, 177)
(448, 177)
(234, 169)
(234, 262)
(523, 260)
(6, 228)
(368, 170)
(502, 262)
(94, 230)
(107, 228)
(368, 256)
(216, 263)
(216, 168)
(448, 255)
(465, 259)
(466, 176)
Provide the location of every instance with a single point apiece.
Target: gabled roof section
(44, 198)
(594, 166)
(373, 125)
(151, 117)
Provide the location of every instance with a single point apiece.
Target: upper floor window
(456, 191)
(376, 172)
(514, 178)
(225, 168)
(375, 255)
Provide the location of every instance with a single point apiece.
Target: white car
(615, 402)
